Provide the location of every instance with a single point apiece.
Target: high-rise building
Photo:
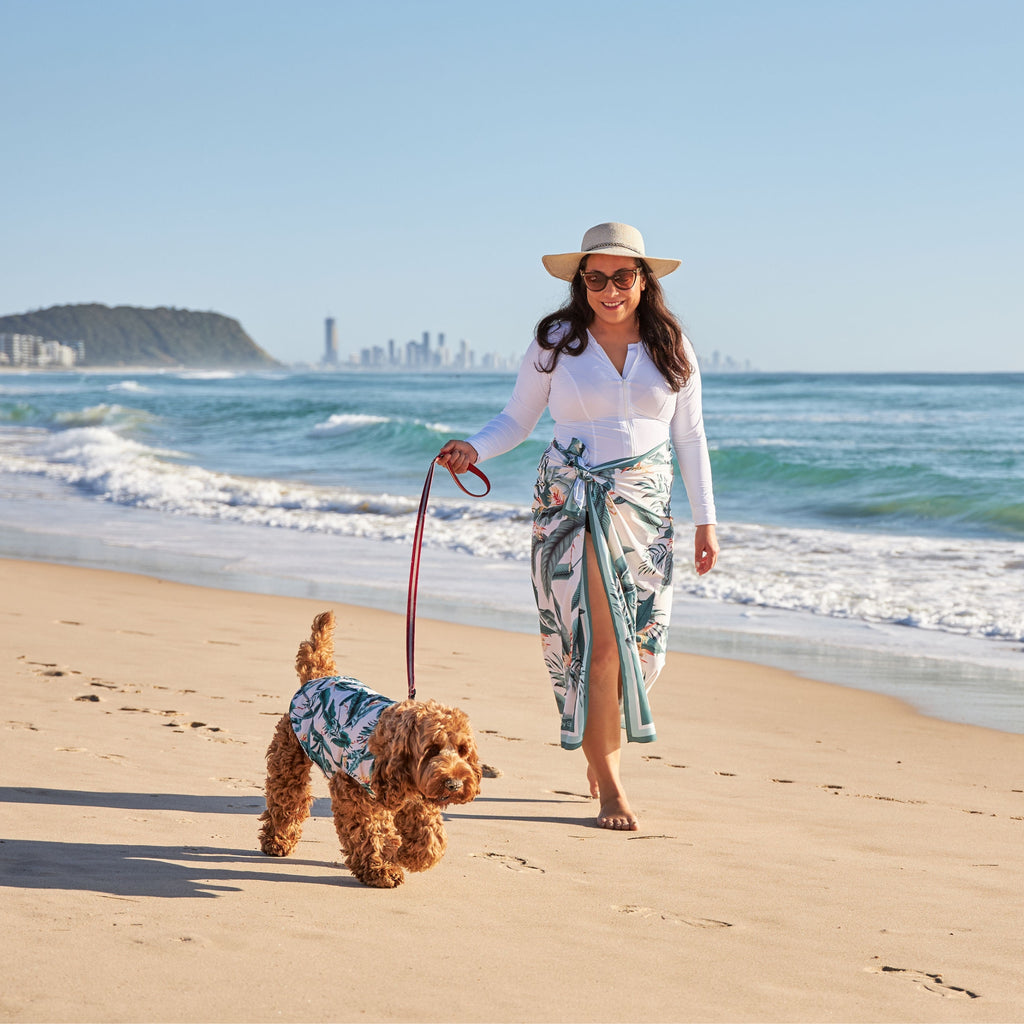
(330, 342)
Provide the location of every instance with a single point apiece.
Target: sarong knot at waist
(599, 481)
(586, 476)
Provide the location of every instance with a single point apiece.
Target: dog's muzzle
(453, 785)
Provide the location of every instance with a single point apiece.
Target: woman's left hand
(705, 549)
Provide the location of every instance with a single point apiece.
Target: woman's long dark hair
(659, 329)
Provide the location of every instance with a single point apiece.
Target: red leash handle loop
(414, 568)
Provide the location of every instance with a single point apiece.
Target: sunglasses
(622, 279)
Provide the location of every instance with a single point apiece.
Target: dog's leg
(288, 790)
(367, 834)
(424, 839)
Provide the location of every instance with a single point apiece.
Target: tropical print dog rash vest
(333, 718)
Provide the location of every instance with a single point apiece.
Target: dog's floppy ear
(462, 728)
(393, 745)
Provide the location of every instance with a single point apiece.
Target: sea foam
(344, 423)
(957, 586)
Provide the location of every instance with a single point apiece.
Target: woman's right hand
(458, 456)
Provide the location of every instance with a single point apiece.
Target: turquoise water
(866, 513)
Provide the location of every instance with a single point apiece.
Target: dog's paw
(273, 849)
(274, 844)
(382, 878)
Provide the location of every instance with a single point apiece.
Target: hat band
(614, 245)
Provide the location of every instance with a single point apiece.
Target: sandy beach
(806, 852)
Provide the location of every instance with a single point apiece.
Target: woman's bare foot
(616, 814)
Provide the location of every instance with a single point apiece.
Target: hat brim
(564, 265)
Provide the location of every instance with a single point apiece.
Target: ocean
(872, 526)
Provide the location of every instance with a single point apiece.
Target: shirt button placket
(627, 414)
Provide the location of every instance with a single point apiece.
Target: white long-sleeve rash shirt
(615, 415)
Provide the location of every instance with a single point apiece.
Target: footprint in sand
(886, 799)
(151, 711)
(932, 982)
(634, 910)
(668, 764)
(209, 732)
(234, 783)
(498, 735)
(507, 860)
(47, 668)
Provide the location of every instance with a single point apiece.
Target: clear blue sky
(843, 181)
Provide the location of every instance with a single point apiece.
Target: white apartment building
(31, 351)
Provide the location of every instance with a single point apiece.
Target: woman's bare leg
(602, 735)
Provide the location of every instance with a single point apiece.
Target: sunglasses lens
(597, 282)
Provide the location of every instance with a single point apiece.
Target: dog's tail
(315, 658)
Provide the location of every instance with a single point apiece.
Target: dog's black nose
(453, 785)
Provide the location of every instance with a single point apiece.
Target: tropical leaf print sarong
(627, 506)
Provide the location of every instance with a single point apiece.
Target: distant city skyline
(420, 355)
(411, 355)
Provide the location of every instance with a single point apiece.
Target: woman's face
(614, 306)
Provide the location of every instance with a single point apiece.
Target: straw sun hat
(611, 240)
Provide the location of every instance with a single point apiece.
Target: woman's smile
(614, 306)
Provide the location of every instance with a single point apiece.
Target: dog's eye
(432, 751)
(463, 749)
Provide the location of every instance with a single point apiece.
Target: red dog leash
(414, 570)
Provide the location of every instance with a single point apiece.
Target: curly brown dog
(388, 781)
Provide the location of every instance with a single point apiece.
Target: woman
(621, 381)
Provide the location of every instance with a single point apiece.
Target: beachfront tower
(330, 342)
